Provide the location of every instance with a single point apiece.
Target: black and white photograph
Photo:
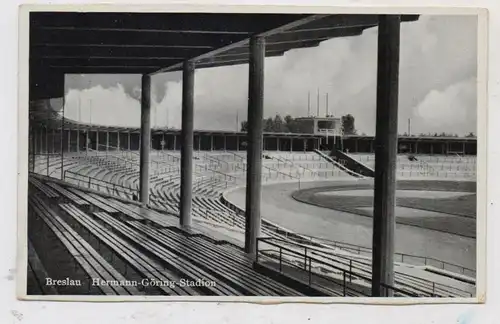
(304, 155)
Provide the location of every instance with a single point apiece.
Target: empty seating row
(86, 257)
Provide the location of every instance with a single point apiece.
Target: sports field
(442, 227)
(447, 206)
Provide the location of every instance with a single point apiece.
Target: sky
(438, 68)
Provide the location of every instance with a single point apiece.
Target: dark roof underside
(137, 43)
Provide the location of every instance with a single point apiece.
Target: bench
(68, 194)
(231, 255)
(175, 263)
(87, 257)
(238, 259)
(118, 206)
(93, 201)
(226, 269)
(49, 192)
(38, 272)
(144, 265)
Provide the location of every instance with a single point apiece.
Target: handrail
(280, 159)
(284, 160)
(451, 291)
(340, 166)
(308, 261)
(356, 261)
(227, 177)
(91, 180)
(358, 249)
(279, 172)
(443, 287)
(236, 155)
(211, 158)
(107, 162)
(174, 158)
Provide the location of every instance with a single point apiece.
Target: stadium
(118, 210)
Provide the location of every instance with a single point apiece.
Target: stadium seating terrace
(112, 204)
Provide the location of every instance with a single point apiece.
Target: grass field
(456, 214)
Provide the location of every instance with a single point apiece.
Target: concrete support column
(211, 142)
(107, 141)
(62, 139)
(175, 142)
(291, 144)
(118, 145)
(46, 141)
(254, 147)
(33, 146)
(277, 144)
(237, 143)
(87, 140)
(129, 140)
(69, 140)
(78, 141)
(47, 146)
(225, 143)
(416, 147)
(463, 148)
(199, 142)
(386, 145)
(38, 140)
(53, 141)
(145, 139)
(97, 140)
(187, 136)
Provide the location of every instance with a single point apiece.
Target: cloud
(450, 109)
(103, 106)
(437, 82)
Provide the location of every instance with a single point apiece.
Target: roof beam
(142, 30)
(142, 46)
(271, 32)
(316, 35)
(217, 63)
(231, 59)
(244, 22)
(83, 61)
(339, 21)
(92, 58)
(116, 51)
(80, 36)
(103, 69)
(346, 21)
(281, 47)
(230, 56)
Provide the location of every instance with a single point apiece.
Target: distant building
(319, 125)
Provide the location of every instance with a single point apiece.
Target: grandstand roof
(145, 43)
(54, 122)
(79, 42)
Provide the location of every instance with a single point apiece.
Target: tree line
(292, 125)
(442, 134)
(289, 124)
